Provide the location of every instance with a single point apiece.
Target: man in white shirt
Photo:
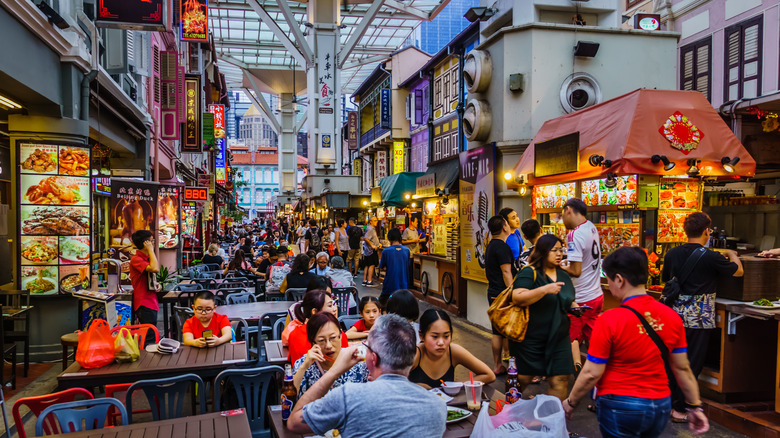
(584, 266)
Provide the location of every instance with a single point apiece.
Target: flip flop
(678, 420)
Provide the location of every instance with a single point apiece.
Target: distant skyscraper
(432, 36)
(239, 104)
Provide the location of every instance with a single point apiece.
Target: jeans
(621, 416)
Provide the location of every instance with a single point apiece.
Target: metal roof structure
(244, 41)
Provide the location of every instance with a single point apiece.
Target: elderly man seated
(354, 408)
(321, 267)
(340, 276)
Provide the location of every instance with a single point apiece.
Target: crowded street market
(390, 218)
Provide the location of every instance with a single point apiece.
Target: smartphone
(207, 334)
(581, 308)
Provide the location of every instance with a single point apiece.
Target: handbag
(508, 318)
(658, 343)
(673, 288)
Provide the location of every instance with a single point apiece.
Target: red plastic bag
(96, 346)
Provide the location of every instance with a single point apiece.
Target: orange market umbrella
(630, 129)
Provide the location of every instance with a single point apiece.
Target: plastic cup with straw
(475, 388)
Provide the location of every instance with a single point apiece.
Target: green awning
(394, 188)
(447, 174)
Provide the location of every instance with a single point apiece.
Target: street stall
(640, 162)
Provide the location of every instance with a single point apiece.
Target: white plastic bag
(539, 417)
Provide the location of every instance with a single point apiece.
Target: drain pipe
(95, 46)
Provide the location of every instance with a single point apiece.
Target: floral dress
(356, 374)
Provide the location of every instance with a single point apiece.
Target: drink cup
(473, 392)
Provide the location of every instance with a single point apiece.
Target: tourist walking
(500, 271)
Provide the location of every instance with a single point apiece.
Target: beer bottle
(289, 394)
(512, 384)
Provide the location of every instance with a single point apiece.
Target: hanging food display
(554, 195)
(54, 213)
(613, 236)
(670, 226)
(168, 217)
(596, 193)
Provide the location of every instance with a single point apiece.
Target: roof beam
(231, 6)
(231, 60)
(299, 125)
(421, 15)
(295, 28)
(278, 32)
(364, 61)
(259, 100)
(359, 31)
(268, 46)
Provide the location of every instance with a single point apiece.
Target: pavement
(476, 339)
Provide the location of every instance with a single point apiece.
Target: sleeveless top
(417, 375)
(343, 241)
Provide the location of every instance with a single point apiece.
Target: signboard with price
(196, 194)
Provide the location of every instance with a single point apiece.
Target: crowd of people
(643, 357)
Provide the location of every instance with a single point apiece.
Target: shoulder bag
(674, 287)
(508, 318)
(658, 343)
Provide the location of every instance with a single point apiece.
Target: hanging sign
(219, 162)
(190, 141)
(168, 217)
(381, 166)
(384, 108)
(133, 208)
(207, 130)
(194, 20)
(556, 156)
(132, 14)
(352, 130)
(647, 21)
(398, 157)
(426, 186)
(219, 120)
(196, 194)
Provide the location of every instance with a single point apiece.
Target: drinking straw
(442, 382)
(473, 391)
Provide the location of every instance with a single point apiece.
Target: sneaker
(365, 283)
(370, 283)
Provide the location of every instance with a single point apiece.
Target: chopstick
(329, 359)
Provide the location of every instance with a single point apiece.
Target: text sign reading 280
(196, 194)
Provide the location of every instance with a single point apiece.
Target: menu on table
(613, 236)
(596, 193)
(679, 194)
(168, 217)
(554, 195)
(55, 200)
(670, 226)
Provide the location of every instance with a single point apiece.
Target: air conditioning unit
(578, 91)
(477, 71)
(477, 120)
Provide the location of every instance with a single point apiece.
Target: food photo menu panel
(54, 214)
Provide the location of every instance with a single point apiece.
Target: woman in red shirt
(633, 387)
(315, 301)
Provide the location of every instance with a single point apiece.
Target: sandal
(592, 407)
(678, 419)
(536, 379)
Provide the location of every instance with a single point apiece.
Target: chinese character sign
(477, 203)
(384, 101)
(133, 208)
(352, 133)
(190, 141)
(398, 156)
(219, 120)
(381, 166)
(219, 162)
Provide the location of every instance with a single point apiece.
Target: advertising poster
(133, 208)
(194, 20)
(679, 194)
(477, 205)
(168, 217)
(614, 236)
(54, 214)
(596, 193)
(553, 195)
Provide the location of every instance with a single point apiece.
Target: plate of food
(764, 303)
(456, 414)
(40, 281)
(39, 252)
(74, 161)
(70, 281)
(73, 250)
(40, 160)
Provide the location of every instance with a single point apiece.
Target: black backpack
(315, 239)
(674, 287)
(354, 233)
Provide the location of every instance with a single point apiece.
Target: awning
(395, 187)
(625, 130)
(447, 173)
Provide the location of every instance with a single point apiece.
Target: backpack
(354, 233)
(315, 239)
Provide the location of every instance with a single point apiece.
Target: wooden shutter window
(695, 66)
(743, 59)
(418, 107)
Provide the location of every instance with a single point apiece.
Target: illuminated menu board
(679, 194)
(54, 204)
(554, 195)
(168, 217)
(596, 193)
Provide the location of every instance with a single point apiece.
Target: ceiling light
(668, 165)
(365, 202)
(693, 169)
(728, 164)
(611, 182)
(4, 101)
(508, 176)
(522, 190)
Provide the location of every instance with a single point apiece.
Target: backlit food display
(613, 236)
(55, 203)
(554, 195)
(168, 217)
(670, 226)
(679, 194)
(596, 193)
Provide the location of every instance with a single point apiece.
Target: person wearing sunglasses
(206, 328)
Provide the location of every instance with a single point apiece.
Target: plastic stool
(68, 340)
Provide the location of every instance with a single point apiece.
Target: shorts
(371, 260)
(492, 327)
(582, 326)
(353, 255)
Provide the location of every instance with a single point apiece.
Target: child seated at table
(369, 312)
(206, 328)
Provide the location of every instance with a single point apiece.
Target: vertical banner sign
(477, 203)
(207, 131)
(190, 141)
(352, 132)
(326, 99)
(194, 20)
(168, 217)
(398, 157)
(219, 120)
(133, 208)
(219, 162)
(384, 108)
(381, 167)
(55, 204)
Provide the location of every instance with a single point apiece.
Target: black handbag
(674, 287)
(658, 343)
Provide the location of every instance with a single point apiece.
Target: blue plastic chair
(188, 287)
(241, 332)
(278, 329)
(166, 396)
(241, 298)
(70, 416)
(251, 389)
(347, 321)
(295, 293)
(343, 295)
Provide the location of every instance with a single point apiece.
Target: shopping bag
(125, 344)
(96, 346)
(542, 416)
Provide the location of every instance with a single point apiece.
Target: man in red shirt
(628, 364)
(143, 264)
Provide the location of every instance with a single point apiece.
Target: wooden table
(207, 425)
(254, 311)
(460, 429)
(205, 362)
(275, 352)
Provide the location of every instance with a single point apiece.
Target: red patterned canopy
(631, 128)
